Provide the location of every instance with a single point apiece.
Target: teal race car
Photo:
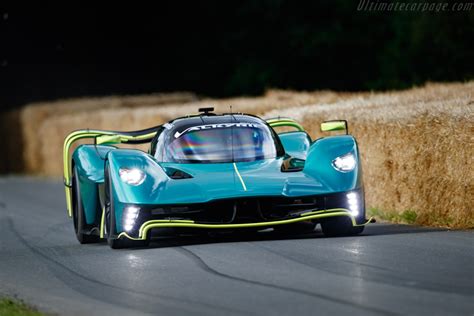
(211, 171)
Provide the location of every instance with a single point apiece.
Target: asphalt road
(389, 270)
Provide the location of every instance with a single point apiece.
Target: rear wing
(100, 137)
(284, 121)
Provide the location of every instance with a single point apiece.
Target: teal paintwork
(296, 144)
(211, 181)
(319, 162)
(89, 161)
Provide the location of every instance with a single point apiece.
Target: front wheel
(110, 220)
(340, 226)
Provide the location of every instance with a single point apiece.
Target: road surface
(389, 270)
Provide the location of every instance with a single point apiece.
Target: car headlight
(132, 176)
(344, 163)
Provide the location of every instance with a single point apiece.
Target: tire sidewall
(340, 226)
(110, 219)
(78, 212)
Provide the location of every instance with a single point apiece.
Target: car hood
(227, 180)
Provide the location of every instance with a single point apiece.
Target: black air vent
(176, 174)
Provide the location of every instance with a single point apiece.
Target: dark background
(224, 48)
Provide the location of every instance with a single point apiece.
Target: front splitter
(162, 223)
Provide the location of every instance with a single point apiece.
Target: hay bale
(416, 149)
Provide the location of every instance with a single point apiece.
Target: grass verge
(412, 217)
(404, 217)
(9, 307)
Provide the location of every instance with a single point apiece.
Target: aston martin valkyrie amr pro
(213, 172)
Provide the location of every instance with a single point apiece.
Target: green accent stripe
(280, 122)
(102, 223)
(142, 233)
(240, 177)
(333, 126)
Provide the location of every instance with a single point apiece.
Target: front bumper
(147, 226)
(259, 212)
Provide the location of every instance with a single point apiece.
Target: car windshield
(221, 143)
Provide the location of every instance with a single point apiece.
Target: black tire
(340, 226)
(78, 214)
(110, 221)
(295, 228)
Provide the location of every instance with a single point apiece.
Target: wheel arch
(89, 162)
(319, 163)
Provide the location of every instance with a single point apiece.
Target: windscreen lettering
(214, 126)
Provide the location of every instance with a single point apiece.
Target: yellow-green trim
(280, 122)
(124, 234)
(143, 231)
(108, 139)
(240, 177)
(81, 134)
(333, 126)
(102, 223)
(277, 119)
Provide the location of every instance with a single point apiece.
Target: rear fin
(335, 125)
(285, 122)
(206, 111)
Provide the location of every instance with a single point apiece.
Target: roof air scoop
(206, 111)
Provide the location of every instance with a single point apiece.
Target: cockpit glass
(230, 142)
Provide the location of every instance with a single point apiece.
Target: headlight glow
(353, 201)
(129, 216)
(132, 176)
(344, 163)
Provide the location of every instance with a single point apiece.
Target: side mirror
(108, 139)
(337, 125)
